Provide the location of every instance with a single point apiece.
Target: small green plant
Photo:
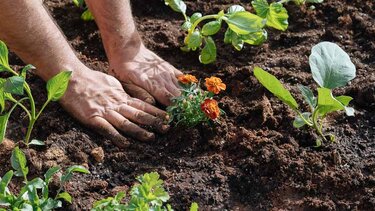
(34, 195)
(195, 105)
(17, 85)
(86, 15)
(331, 68)
(148, 195)
(243, 26)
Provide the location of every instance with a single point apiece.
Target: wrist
(47, 70)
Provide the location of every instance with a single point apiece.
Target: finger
(172, 88)
(106, 129)
(143, 118)
(140, 105)
(163, 96)
(138, 92)
(128, 127)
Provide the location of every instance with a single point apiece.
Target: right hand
(99, 101)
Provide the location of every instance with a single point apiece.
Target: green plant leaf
(208, 53)
(4, 182)
(315, 1)
(19, 163)
(228, 36)
(327, 103)
(87, 15)
(3, 56)
(66, 196)
(69, 172)
(14, 85)
(176, 5)
(255, 38)
(57, 85)
(308, 95)
(275, 13)
(186, 25)
(331, 66)
(345, 100)
(211, 28)
(244, 22)
(275, 87)
(194, 207)
(194, 40)
(235, 8)
(237, 42)
(78, 3)
(195, 17)
(299, 122)
(3, 126)
(37, 142)
(49, 174)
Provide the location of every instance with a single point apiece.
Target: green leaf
(194, 207)
(308, 95)
(69, 172)
(78, 3)
(275, 87)
(315, 1)
(235, 8)
(299, 122)
(3, 126)
(331, 66)
(327, 103)
(244, 22)
(186, 25)
(49, 174)
(14, 85)
(237, 42)
(3, 56)
(87, 15)
(194, 40)
(195, 17)
(57, 85)
(208, 53)
(4, 182)
(37, 142)
(176, 5)
(255, 38)
(275, 14)
(345, 100)
(19, 164)
(228, 36)
(66, 196)
(211, 28)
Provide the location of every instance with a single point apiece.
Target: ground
(253, 159)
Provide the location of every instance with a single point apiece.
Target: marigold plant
(196, 105)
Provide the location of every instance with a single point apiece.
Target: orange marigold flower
(210, 107)
(187, 79)
(215, 85)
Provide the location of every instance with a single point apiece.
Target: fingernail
(164, 128)
(149, 137)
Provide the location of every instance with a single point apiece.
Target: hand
(145, 75)
(99, 101)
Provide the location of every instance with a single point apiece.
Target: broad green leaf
(25, 69)
(87, 15)
(331, 66)
(299, 122)
(3, 126)
(237, 42)
(57, 85)
(228, 36)
(14, 85)
(275, 13)
(208, 53)
(275, 87)
(37, 142)
(3, 56)
(245, 22)
(186, 25)
(327, 103)
(235, 8)
(194, 207)
(194, 40)
(176, 5)
(195, 17)
(18, 161)
(4, 182)
(308, 95)
(66, 196)
(211, 28)
(255, 38)
(345, 100)
(49, 174)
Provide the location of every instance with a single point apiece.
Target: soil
(253, 159)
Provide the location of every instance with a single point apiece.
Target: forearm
(30, 32)
(117, 28)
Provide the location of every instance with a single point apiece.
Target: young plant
(195, 105)
(243, 26)
(16, 85)
(148, 195)
(86, 15)
(34, 195)
(331, 68)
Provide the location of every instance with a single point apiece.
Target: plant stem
(316, 123)
(192, 28)
(303, 118)
(22, 106)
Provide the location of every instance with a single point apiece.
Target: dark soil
(254, 159)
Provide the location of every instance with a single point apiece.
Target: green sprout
(86, 15)
(243, 26)
(17, 85)
(331, 68)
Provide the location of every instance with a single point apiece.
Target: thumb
(138, 92)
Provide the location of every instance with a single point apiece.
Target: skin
(96, 99)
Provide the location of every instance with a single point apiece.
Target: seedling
(86, 15)
(149, 194)
(34, 195)
(195, 105)
(331, 68)
(243, 26)
(17, 85)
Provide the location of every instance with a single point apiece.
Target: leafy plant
(331, 68)
(148, 195)
(243, 26)
(86, 15)
(195, 105)
(34, 195)
(17, 85)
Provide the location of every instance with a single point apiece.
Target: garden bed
(253, 159)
